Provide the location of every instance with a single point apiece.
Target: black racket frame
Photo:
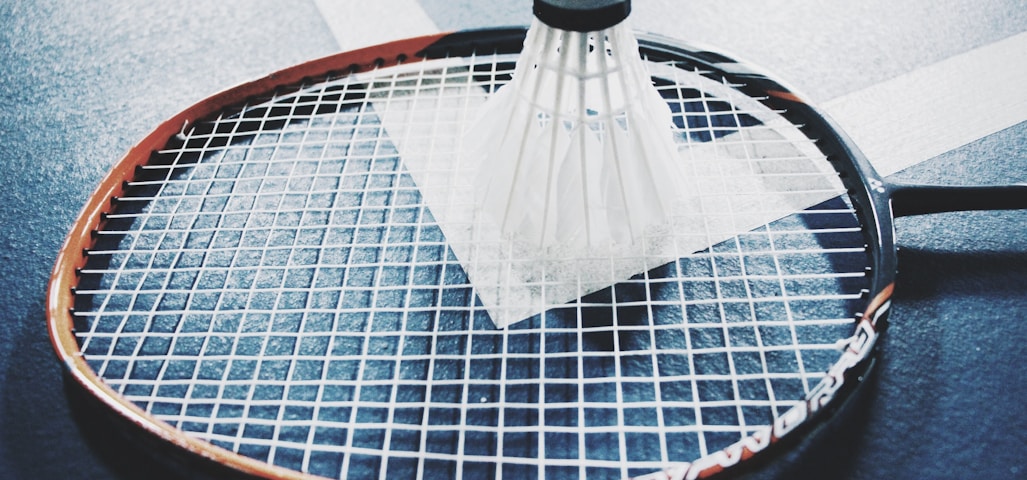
(876, 202)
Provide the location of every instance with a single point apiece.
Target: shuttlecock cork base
(577, 150)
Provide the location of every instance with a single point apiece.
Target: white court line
(362, 24)
(934, 109)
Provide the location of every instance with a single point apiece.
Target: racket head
(478, 55)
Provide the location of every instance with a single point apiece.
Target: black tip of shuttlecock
(582, 15)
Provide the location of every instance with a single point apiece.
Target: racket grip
(925, 199)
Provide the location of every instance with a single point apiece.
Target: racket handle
(924, 199)
(582, 15)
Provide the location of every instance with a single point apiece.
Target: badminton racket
(290, 279)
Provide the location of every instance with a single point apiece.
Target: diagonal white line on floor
(931, 110)
(362, 24)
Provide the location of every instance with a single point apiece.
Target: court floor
(932, 91)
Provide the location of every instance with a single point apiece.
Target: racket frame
(871, 196)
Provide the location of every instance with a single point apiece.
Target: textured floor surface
(83, 82)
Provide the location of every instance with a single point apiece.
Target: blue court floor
(81, 82)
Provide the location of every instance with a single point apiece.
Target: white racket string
(304, 280)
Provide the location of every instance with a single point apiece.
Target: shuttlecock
(577, 150)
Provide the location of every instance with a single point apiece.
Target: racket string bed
(284, 282)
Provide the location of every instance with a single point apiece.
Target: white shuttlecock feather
(577, 149)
